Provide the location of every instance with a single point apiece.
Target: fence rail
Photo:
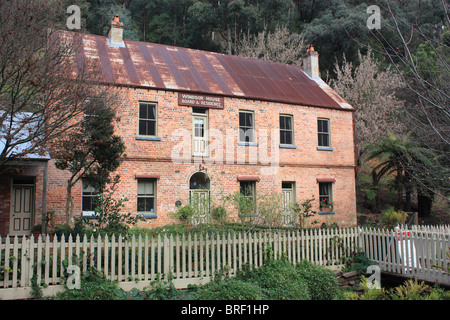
(194, 258)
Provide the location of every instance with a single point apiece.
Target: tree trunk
(375, 184)
(400, 188)
(408, 189)
(229, 44)
(69, 205)
(424, 203)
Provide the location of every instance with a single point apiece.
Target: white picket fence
(412, 253)
(194, 258)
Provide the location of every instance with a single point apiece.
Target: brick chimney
(115, 33)
(311, 62)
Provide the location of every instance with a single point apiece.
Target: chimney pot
(311, 62)
(115, 33)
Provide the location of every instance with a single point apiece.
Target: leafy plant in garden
(184, 213)
(304, 211)
(230, 289)
(279, 279)
(108, 216)
(391, 217)
(357, 261)
(321, 282)
(94, 286)
(162, 290)
(219, 214)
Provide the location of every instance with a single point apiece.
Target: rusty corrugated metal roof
(149, 65)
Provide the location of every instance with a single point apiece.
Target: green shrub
(162, 290)
(219, 213)
(357, 261)
(184, 213)
(279, 279)
(321, 282)
(391, 218)
(411, 289)
(230, 289)
(94, 286)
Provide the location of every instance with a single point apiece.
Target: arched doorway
(200, 197)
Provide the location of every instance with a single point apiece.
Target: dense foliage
(275, 280)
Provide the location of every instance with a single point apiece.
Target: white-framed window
(146, 196)
(246, 126)
(88, 196)
(248, 203)
(326, 195)
(323, 130)
(286, 129)
(148, 119)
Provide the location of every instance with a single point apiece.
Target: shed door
(21, 210)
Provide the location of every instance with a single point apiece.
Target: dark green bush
(321, 282)
(357, 261)
(230, 289)
(279, 279)
(94, 286)
(162, 290)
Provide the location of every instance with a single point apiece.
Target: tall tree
(278, 46)
(40, 91)
(374, 92)
(408, 162)
(90, 151)
(414, 44)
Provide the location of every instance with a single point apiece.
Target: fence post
(167, 254)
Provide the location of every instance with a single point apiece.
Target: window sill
(147, 215)
(326, 212)
(88, 215)
(325, 149)
(250, 144)
(288, 146)
(148, 138)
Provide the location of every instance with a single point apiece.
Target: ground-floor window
(146, 196)
(89, 194)
(326, 196)
(247, 203)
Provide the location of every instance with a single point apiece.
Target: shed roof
(156, 66)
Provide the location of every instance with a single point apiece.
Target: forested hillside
(396, 76)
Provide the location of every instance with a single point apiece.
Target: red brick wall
(303, 165)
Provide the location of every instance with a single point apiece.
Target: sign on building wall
(200, 100)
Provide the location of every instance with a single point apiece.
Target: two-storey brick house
(204, 124)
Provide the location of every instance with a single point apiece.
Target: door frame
(201, 218)
(205, 118)
(288, 215)
(12, 205)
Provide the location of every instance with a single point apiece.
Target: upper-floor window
(246, 126)
(286, 129)
(147, 119)
(323, 128)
